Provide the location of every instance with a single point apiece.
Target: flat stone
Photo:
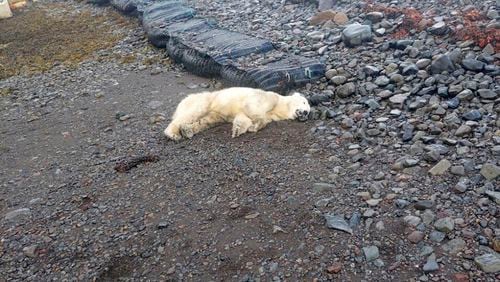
(346, 90)
(473, 65)
(423, 204)
(398, 98)
(17, 213)
(454, 246)
(490, 171)
(489, 263)
(487, 94)
(437, 236)
(440, 168)
(337, 222)
(323, 187)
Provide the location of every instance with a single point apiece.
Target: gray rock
(371, 253)
(412, 220)
(30, 251)
(323, 187)
(439, 28)
(371, 70)
(454, 246)
(474, 115)
(437, 236)
(440, 168)
(374, 17)
(337, 222)
(398, 99)
(423, 204)
(473, 65)
(325, 4)
(490, 171)
(431, 265)
(463, 130)
(442, 63)
(355, 34)
(17, 213)
(410, 69)
(489, 263)
(487, 94)
(338, 79)
(382, 80)
(445, 224)
(423, 63)
(346, 90)
(495, 196)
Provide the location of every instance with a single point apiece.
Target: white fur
(248, 109)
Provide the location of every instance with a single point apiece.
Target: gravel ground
(395, 187)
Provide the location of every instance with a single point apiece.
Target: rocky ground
(400, 184)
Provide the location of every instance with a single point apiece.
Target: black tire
(235, 77)
(200, 64)
(175, 50)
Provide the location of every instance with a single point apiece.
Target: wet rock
(495, 196)
(374, 17)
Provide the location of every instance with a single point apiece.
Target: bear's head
(299, 107)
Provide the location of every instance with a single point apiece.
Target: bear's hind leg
(258, 125)
(241, 124)
(208, 121)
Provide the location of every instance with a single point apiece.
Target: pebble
(355, 34)
(446, 224)
(371, 253)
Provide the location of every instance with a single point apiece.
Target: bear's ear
(297, 94)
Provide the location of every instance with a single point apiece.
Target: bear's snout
(302, 115)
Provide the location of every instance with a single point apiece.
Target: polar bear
(248, 109)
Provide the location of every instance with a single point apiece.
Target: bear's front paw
(187, 131)
(236, 131)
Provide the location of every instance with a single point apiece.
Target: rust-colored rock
(460, 277)
(340, 18)
(323, 17)
(336, 267)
